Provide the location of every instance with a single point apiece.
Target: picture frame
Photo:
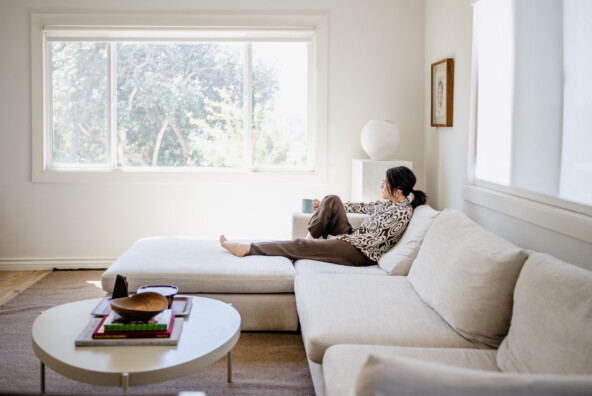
(442, 88)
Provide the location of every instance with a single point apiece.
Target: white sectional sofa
(452, 309)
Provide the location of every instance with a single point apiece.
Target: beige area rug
(263, 363)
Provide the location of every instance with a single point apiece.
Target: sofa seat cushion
(551, 330)
(367, 309)
(342, 363)
(467, 274)
(260, 311)
(308, 266)
(409, 376)
(199, 266)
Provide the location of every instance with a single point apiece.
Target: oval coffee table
(209, 332)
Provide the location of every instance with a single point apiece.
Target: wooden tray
(103, 307)
(181, 306)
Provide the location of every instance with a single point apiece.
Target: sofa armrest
(407, 376)
(300, 222)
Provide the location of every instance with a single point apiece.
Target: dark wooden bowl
(139, 306)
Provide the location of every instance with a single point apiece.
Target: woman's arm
(361, 207)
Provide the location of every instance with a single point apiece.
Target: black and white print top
(381, 230)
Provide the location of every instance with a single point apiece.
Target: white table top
(209, 333)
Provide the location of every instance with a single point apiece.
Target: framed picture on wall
(442, 92)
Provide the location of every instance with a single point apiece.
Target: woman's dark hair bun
(404, 179)
(419, 198)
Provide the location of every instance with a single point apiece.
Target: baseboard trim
(36, 264)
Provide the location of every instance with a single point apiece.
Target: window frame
(272, 25)
(566, 217)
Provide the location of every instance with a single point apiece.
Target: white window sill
(573, 224)
(178, 176)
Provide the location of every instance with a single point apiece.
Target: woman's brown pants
(329, 219)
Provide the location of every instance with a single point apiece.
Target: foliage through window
(196, 104)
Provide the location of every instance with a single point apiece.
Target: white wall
(448, 35)
(376, 59)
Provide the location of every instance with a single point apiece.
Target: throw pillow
(398, 260)
(551, 330)
(467, 275)
(410, 377)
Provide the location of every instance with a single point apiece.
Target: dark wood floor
(14, 282)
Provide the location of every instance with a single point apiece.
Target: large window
(178, 97)
(533, 135)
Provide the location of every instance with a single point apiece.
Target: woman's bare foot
(238, 249)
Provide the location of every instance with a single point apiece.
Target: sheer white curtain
(576, 159)
(494, 33)
(533, 63)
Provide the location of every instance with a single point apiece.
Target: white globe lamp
(380, 139)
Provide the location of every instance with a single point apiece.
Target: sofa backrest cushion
(398, 375)
(551, 330)
(398, 260)
(467, 275)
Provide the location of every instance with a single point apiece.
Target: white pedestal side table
(210, 332)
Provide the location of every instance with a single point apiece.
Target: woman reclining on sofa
(332, 237)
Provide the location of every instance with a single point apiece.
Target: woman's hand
(316, 204)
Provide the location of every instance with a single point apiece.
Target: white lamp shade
(380, 139)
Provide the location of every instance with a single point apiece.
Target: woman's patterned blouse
(381, 230)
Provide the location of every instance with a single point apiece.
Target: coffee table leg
(229, 359)
(124, 382)
(42, 377)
